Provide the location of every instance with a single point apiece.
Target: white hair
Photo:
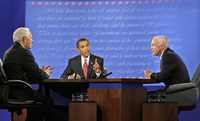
(162, 40)
(20, 32)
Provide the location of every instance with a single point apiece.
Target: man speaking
(85, 65)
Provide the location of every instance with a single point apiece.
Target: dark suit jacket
(19, 64)
(172, 69)
(74, 66)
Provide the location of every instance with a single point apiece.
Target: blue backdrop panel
(12, 16)
(119, 31)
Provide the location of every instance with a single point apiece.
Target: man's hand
(147, 74)
(74, 76)
(47, 69)
(21, 117)
(96, 66)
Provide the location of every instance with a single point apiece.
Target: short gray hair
(20, 32)
(162, 39)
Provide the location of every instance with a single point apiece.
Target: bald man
(172, 68)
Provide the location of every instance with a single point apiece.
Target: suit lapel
(90, 66)
(79, 67)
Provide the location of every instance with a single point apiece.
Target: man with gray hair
(19, 64)
(172, 68)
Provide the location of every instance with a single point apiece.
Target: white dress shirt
(88, 60)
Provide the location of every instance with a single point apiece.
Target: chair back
(3, 87)
(3, 78)
(196, 75)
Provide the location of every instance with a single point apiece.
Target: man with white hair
(172, 68)
(19, 64)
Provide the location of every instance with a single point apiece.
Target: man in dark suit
(85, 65)
(19, 64)
(172, 68)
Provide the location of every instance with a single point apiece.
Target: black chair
(186, 95)
(15, 104)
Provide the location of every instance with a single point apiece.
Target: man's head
(158, 45)
(24, 36)
(83, 46)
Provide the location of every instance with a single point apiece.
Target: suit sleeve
(31, 67)
(68, 71)
(102, 67)
(168, 66)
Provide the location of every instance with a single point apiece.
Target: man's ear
(24, 39)
(78, 49)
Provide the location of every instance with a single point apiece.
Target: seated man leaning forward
(19, 64)
(173, 70)
(85, 65)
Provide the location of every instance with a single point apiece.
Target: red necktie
(85, 68)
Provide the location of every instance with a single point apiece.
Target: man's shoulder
(17, 53)
(95, 56)
(12, 51)
(17, 49)
(12, 55)
(169, 53)
(75, 58)
(172, 55)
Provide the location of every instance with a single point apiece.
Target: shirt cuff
(98, 74)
